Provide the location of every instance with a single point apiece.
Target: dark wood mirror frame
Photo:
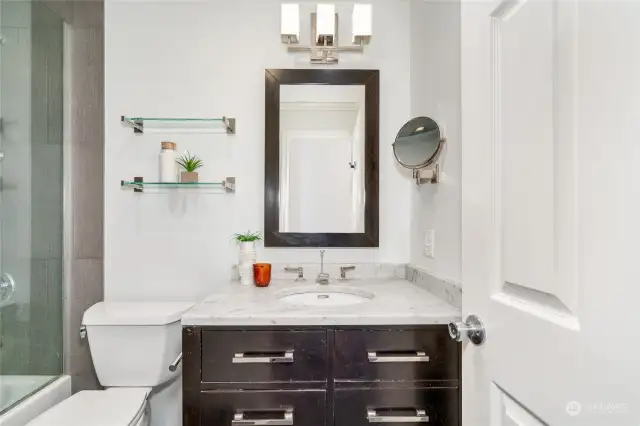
(370, 79)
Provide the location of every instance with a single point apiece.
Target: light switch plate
(429, 243)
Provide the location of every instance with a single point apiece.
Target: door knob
(472, 327)
(7, 287)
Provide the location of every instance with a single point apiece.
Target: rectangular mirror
(321, 158)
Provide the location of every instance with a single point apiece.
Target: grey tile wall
(45, 319)
(32, 329)
(84, 274)
(85, 279)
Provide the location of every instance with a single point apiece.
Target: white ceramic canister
(246, 260)
(168, 165)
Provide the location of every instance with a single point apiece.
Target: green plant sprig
(190, 163)
(247, 237)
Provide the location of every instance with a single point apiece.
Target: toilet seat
(111, 407)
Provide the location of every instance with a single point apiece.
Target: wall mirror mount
(418, 146)
(321, 158)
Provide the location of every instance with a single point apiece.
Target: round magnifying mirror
(418, 143)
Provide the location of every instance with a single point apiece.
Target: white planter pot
(246, 260)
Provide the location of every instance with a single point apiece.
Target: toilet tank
(133, 343)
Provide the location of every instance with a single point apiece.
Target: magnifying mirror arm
(430, 175)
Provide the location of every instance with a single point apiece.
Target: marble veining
(396, 302)
(447, 290)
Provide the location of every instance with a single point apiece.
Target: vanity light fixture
(324, 46)
(290, 23)
(361, 23)
(325, 24)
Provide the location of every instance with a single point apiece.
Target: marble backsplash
(447, 290)
(362, 271)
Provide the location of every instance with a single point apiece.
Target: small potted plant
(247, 255)
(190, 163)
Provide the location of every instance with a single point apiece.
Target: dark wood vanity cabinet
(317, 376)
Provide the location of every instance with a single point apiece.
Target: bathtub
(45, 392)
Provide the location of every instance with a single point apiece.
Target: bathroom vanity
(310, 355)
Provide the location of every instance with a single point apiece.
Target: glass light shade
(326, 21)
(362, 25)
(290, 22)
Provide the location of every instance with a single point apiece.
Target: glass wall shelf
(138, 185)
(181, 125)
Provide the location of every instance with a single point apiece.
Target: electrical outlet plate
(429, 243)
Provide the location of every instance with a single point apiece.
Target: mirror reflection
(417, 143)
(322, 144)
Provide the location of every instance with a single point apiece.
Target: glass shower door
(31, 209)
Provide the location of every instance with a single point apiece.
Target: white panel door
(551, 211)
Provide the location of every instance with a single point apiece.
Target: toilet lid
(112, 407)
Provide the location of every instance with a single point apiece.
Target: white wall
(207, 58)
(435, 93)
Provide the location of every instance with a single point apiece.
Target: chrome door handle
(473, 328)
(285, 357)
(1, 156)
(374, 417)
(418, 356)
(173, 367)
(7, 287)
(286, 419)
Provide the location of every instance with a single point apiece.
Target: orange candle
(262, 274)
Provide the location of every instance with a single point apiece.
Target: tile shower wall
(16, 218)
(207, 58)
(85, 129)
(32, 326)
(46, 192)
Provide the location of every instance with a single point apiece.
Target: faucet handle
(298, 269)
(344, 269)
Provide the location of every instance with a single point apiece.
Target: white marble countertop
(395, 302)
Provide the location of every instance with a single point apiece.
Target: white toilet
(132, 345)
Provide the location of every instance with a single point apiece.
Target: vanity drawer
(396, 355)
(263, 408)
(429, 407)
(264, 356)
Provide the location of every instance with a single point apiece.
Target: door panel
(545, 237)
(535, 153)
(508, 412)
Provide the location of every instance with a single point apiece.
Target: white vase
(246, 261)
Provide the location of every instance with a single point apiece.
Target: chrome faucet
(323, 277)
(344, 269)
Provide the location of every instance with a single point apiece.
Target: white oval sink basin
(325, 297)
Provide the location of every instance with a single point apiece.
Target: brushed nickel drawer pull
(285, 357)
(420, 417)
(286, 420)
(419, 356)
